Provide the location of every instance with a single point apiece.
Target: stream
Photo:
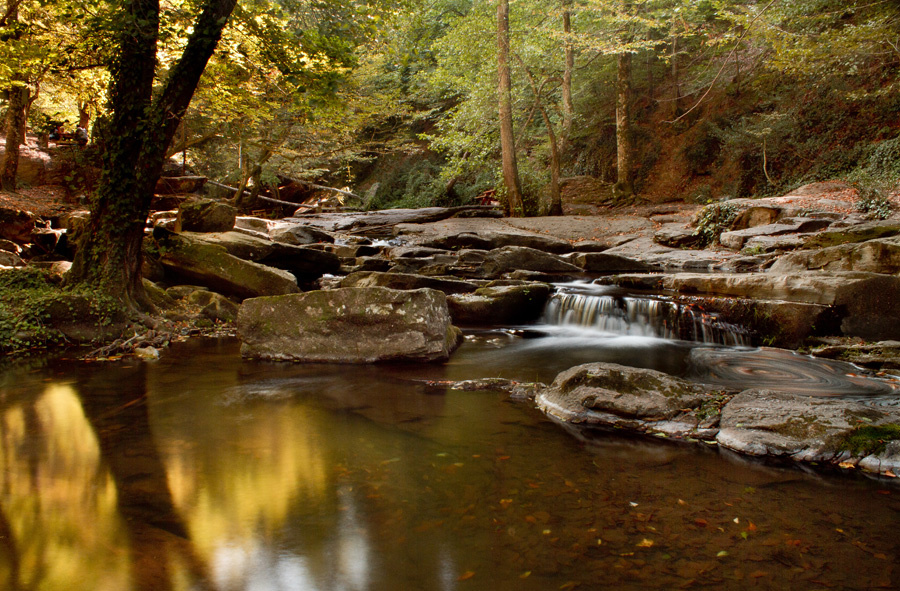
(206, 471)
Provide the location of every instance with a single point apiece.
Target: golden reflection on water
(51, 486)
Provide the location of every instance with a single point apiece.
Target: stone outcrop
(866, 305)
(406, 281)
(349, 325)
(873, 256)
(498, 305)
(210, 265)
(753, 422)
(303, 262)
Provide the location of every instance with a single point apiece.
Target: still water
(203, 471)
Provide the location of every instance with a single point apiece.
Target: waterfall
(643, 316)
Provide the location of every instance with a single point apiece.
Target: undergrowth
(715, 219)
(30, 301)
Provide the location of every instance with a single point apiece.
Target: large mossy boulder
(503, 304)
(349, 325)
(304, 262)
(210, 265)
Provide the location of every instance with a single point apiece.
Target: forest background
(660, 100)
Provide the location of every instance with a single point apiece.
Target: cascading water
(642, 316)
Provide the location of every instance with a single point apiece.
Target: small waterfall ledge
(643, 316)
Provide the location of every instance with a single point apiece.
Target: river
(205, 471)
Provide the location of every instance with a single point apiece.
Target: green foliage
(31, 298)
(713, 220)
(869, 439)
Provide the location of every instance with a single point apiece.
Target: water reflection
(203, 471)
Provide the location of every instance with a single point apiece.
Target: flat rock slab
(349, 325)
(804, 428)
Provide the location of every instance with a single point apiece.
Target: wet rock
(874, 256)
(210, 265)
(493, 305)
(883, 355)
(607, 394)
(205, 215)
(349, 325)
(804, 428)
(405, 281)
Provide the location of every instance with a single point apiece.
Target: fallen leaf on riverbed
(645, 543)
(466, 575)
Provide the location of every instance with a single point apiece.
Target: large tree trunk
(623, 187)
(136, 141)
(15, 135)
(514, 203)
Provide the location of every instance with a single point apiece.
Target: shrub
(715, 219)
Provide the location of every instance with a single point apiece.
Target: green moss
(32, 301)
(869, 439)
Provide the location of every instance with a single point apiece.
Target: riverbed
(205, 471)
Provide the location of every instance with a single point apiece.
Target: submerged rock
(349, 325)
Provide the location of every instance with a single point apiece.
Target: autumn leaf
(645, 543)
(466, 575)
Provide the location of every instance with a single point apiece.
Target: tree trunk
(136, 139)
(15, 135)
(623, 187)
(555, 196)
(514, 203)
(568, 108)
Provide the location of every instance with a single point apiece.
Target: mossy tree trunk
(623, 187)
(16, 103)
(136, 139)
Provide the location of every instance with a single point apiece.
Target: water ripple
(786, 371)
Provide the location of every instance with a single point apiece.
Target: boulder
(608, 394)
(349, 325)
(601, 262)
(214, 306)
(804, 428)
(205, 215)
(676, 235)
(10, 259)
(176, 185)
(505, 304)
(406, 281)
(875, 256)
(211, 266)
(16, 225)
(305, 263)
(512, 258)
(298, 234)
